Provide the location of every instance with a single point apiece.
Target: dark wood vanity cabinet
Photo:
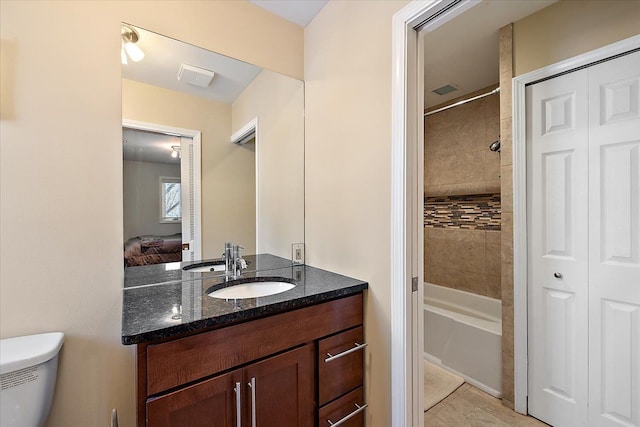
(276, 391)
(299, 368)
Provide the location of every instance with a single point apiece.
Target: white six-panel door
(614, 242)
(558, 254)
(583, 185)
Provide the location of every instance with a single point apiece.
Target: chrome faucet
(228, 258)
(233, 261)
(239, 263)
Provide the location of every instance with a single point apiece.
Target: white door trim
(197, 173)
(406, 211)
(520, 199)
(241, 136)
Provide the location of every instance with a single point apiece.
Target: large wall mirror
(213, 152)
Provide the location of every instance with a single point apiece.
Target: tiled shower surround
(462, 243)
(474, 212)
(462, 215)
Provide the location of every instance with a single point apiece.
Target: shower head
(495, 146)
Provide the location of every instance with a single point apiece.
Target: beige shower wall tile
(507, 250)
(462, 235)
(455, 169)
(435, 253)
(507, 285)
(491, 169)
(471, 256)
(493, 260)
(507, 226)
(505, 43)
(494, 287)
(438, 142)
(481, 187)
(493, 236)
(506, 142)
(505, 94)
(492, 186)
(506, 188)
(438, 171)
(470, 167)
(474, 283)
(450, 278)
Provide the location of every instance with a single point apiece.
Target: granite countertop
(160, 303)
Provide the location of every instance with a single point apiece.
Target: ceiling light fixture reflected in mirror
(129, 47)
(175, 151)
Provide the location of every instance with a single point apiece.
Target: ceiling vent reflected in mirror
(195, 75)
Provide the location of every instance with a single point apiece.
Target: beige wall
(61, 174)
(278, 103)
(348, 168)
(570, 27)
(228, 170)
(142, 201)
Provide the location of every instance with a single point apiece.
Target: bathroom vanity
(290, 359)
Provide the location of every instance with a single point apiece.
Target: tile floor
(470, 407)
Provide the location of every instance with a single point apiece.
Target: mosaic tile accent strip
(472, 212)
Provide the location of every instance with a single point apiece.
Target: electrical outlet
(297, 253)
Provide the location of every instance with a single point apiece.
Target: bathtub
(463, 333)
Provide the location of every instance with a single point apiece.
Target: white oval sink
(252, 290)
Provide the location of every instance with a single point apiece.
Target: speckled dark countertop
(152, 294)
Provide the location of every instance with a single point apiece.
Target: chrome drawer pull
(357, 347)
(351, 415)
(252, 385)
(238, 405)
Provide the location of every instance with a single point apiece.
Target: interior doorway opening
(162, 209)
(409, 172)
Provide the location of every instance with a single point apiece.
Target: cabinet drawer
(350, 408)
(340, 371)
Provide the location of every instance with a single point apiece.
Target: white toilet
(28, 368)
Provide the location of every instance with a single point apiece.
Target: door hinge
(414, 284)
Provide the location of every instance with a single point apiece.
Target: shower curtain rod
(464, 101)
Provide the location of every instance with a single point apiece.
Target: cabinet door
(280, 390)
(211, 403)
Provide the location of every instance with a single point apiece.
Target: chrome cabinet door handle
(557, 275)
(353, 414)
(252, 385)
(357, 347)
(238, 405)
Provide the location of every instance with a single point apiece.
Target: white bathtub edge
(476, 384)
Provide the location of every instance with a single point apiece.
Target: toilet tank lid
(30, 350)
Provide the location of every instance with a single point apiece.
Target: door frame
(240, 137)
(520, 298)
(196, 187)
(407, 192)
